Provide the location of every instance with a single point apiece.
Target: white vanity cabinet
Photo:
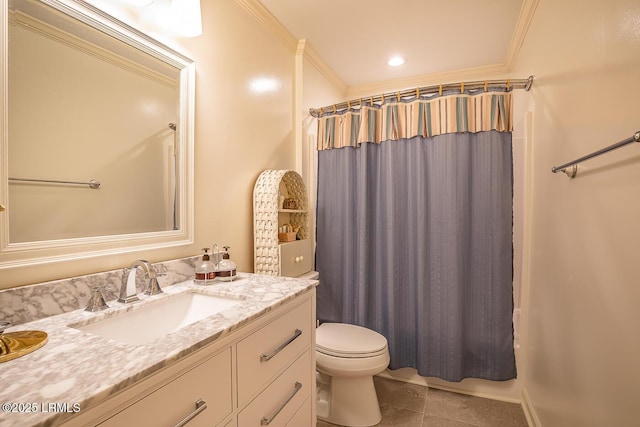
(201, 397)
(262, 372)
(275, 371)
(281, 400)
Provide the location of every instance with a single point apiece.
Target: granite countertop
(81, 369)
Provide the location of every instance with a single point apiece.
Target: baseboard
(529, 410)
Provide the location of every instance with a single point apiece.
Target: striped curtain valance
(420, 117)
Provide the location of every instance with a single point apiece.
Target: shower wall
(581, 325)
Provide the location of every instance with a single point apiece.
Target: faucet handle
(154, 287)
(96, 302)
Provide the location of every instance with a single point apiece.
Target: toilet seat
(349, 341)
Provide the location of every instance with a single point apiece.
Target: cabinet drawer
(282, 399)
(269, 350)
(230, 423)
(295, 258)
(303, 416)
(167, 406)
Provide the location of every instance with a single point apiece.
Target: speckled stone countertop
(77, 367)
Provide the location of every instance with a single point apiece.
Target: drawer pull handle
(267, 357)
(201, 405)
(266, 421)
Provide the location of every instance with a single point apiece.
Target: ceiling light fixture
(396, 61)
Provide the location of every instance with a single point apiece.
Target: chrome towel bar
(94, 184)
(574, 164)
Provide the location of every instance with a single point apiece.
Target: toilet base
(354, 402)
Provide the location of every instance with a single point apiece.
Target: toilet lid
(344, 340)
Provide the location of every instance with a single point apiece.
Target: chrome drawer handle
(266, 421)
(201, 405)
(267, 357)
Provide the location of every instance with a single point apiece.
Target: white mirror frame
(42, 252)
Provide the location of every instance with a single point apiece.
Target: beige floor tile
(400, 394)
(398, 416)
(431, 421)
(503, 414)
(391, 416)
(474, 410)
(453, 406)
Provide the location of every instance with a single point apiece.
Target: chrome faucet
(128, 292)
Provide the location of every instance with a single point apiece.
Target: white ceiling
(355, 38)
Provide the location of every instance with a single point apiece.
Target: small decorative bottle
(205, 270)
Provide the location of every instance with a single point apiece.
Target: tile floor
(411, 405)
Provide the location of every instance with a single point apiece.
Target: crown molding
(308, 53)
(527, 11)
(301, 47)
(261, 14)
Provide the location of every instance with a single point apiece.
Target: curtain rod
(574, 170)
(507, 84)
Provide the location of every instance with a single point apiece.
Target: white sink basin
(156, 320)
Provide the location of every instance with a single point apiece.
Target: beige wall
(581, 341)
(238, 133)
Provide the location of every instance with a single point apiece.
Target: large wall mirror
(96, 136)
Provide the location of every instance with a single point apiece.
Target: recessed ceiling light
(396, 61)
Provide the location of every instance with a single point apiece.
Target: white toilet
(347, 358)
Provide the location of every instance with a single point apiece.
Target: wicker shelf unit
(272, 256)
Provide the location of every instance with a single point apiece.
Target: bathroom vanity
(250, 364)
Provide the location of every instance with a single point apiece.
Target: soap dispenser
(205, 270)
(226, 267)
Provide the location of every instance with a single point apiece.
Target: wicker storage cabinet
(289, 255)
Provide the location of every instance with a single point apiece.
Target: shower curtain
(414, 233)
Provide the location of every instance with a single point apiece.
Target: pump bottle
(226, 267)
(205, 270)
